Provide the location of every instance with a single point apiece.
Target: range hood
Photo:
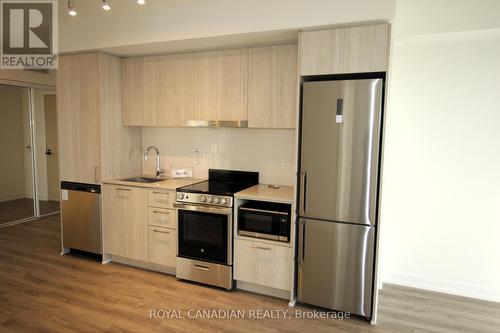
(218, 123)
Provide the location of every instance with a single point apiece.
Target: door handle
(48, 151)
(261, 248)
(160, 212)
(302, 239)
(302, 194)
(96, 174)
(161, 232)
(202, 268)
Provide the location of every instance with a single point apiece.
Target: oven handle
(204, 209)
(264, 211)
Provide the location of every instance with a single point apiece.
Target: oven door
(204, 233)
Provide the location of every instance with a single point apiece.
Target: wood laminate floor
(42, 291)
(19, 209)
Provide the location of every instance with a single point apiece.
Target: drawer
(263, 264)
(161, 198)
(162, 246)
(161, 217)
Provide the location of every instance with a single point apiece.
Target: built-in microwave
(265, 220)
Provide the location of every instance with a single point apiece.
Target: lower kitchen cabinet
(162, 217)
(162, 246)
(161, 198)
(125, 221)
(263, 264)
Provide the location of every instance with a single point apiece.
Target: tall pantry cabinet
(93, 144)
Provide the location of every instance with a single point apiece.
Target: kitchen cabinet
(174, 87)
(272, 86)
(344, 50)
(161, 217)
(220, 89)
(125, 226)
(162, 246)
(92, 143)
(139, 91)
(161, 198)
(263, 264)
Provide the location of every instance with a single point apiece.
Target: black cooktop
(223, 182)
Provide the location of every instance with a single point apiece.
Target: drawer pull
(160, 193)
(160, 212)
(261, 248)
(203, 268)
(123, 189)
(161, 232)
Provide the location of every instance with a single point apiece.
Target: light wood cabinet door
(174, 89)
(220, 89)
(138, 91)
(162, 217)
(344, 50)
(263, 264)
(125, 225)
(272, 86)
(161, 198)
(78, 118)
(162, 246)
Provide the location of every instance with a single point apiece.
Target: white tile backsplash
(271, 152)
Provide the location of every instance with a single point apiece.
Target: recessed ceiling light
(105, 5)
(141, 2)
(71, 9)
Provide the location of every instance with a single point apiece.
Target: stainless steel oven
(264, 220)
(205, 244)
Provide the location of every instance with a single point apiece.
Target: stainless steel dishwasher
(81, 217)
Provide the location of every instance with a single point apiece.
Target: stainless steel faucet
(159, 170)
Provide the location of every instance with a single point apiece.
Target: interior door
(339, 149)
(336, 262)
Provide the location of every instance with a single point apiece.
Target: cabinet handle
(160, 212)
(161, 232)
(96, 174)
(160, 193)
(203, 268)
(122, 189)
(261, 248)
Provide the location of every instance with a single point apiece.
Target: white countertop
(166, 184)
(262, 192)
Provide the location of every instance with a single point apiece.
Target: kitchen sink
(143, 180)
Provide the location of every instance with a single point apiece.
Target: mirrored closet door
(29, 173)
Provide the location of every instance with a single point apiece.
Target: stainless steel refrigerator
(338, 189)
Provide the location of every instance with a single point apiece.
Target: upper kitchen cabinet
(220, 88)
(272, 86)
(344, 50)
(174, 89)
(93, 145)
(138, 91)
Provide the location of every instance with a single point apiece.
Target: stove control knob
(180, 196)
(216, 200)
(223, 201)
(209, 199)
(203, 198)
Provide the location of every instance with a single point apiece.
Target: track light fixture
(71, 8)
(105, 5)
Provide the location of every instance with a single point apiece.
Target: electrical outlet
(182, 173)
(285, 165)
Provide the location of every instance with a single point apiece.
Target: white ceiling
(163, 26)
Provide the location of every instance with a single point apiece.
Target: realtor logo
(29, 34)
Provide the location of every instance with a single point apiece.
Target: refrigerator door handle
(302, 196)
(302, 239)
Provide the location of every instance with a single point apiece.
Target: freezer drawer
(336, 262)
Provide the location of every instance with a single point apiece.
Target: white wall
(440, 214)
(159, 21)
(270, 152)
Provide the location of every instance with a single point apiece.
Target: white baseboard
(443, 286)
